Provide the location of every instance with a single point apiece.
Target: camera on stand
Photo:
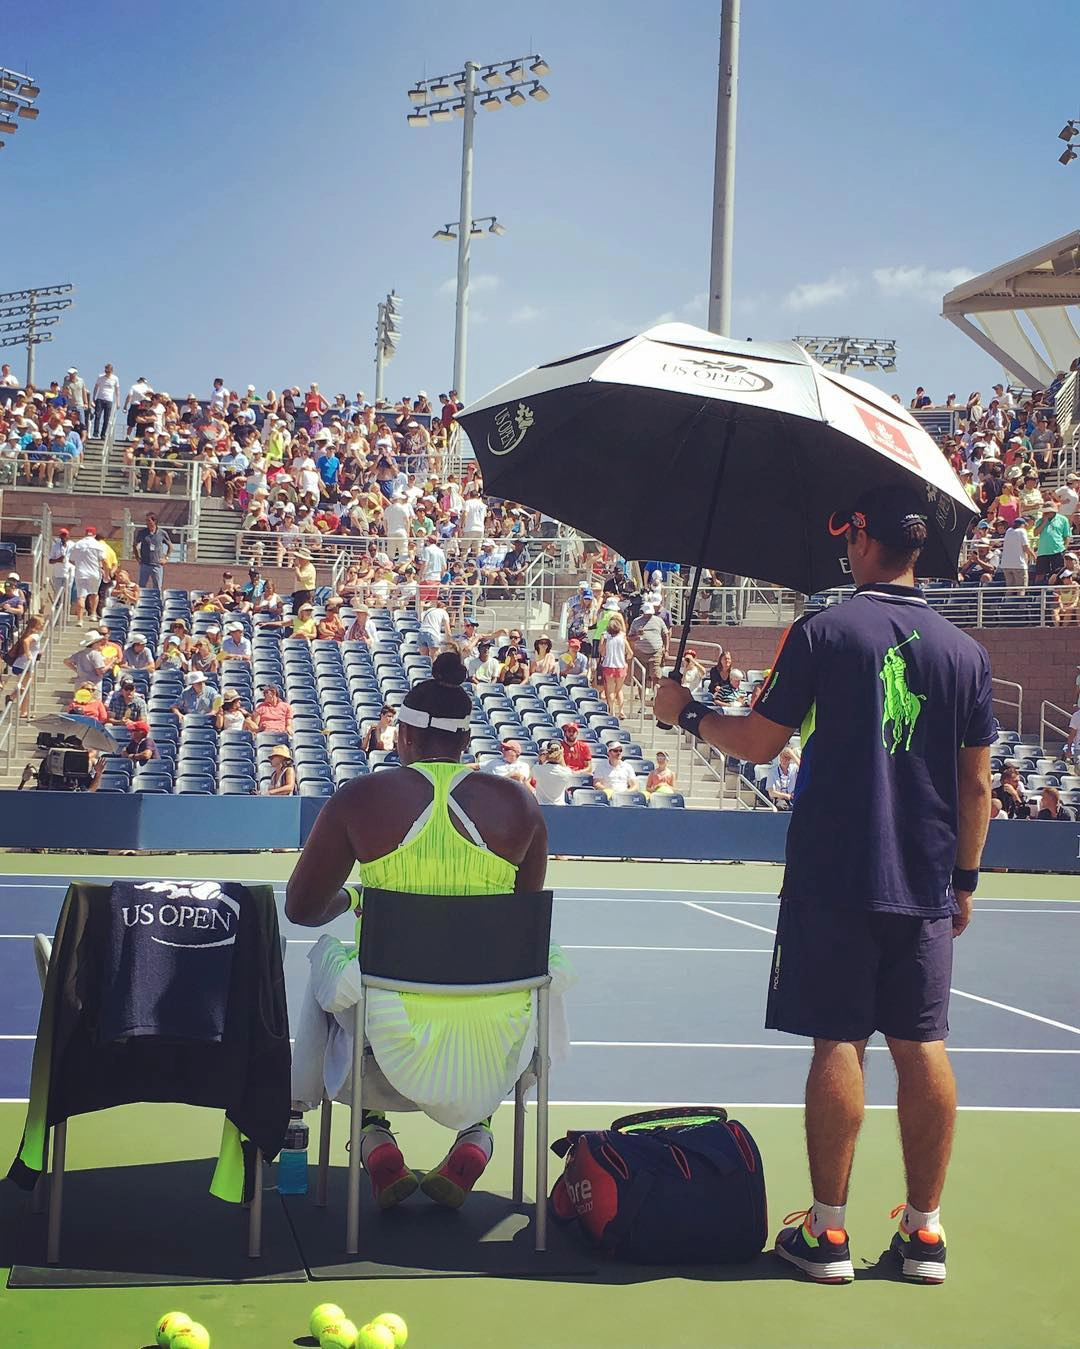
(64, 767)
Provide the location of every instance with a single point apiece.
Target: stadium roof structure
(1040, 287)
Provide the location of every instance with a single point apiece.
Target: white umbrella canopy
(696, 448)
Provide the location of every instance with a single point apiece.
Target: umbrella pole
(676, 674)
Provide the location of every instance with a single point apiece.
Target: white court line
(1001, 1006)
(18, 1037)
(801, 1048)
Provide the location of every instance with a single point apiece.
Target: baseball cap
(571, 726)
(883, 512)
(574, 643)
(137, 637)
(64, 533)
(127, 682)
(143, 726)
(234, 627)
(512, 744)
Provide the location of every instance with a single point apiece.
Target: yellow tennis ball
(395, 1324)
(325, 1314)
(374, 1336)
(169, 1324)
(339, 1335)
(193, 1336)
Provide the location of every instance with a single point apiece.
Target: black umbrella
(681, 445)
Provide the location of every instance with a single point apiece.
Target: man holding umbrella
(894, 705)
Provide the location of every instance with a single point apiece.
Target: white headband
(411, 716)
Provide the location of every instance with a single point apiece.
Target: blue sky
(232, 186)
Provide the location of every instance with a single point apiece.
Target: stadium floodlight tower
(24, 314)
(441, 100)
(18, 100)
(387, 332)
(852, 353)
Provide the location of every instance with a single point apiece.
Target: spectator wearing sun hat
(87, 703)
(235, 646)
(137, 655)
(88, 662)
(196, 698)
(231, 715)
(282, 775)
(126, 704)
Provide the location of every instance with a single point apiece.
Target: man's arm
(973, 782)
(753, 737)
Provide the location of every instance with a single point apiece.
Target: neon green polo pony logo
(902, 707)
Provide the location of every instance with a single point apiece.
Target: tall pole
(723, 226)
(30, 338)
(380, 361)
(461, 321)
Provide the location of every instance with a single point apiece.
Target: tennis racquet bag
(665, 1187)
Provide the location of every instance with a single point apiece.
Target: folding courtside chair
(49, 1191)
(413, 944)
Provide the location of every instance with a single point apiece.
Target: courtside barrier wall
(113, 822)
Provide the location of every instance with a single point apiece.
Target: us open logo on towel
(511, 427)
(888, 437)
(197, 916)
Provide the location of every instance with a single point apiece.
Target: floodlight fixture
(417, 118)
(29, 114)
(540, 67)
(418, 96)
(9, 105)
(441, 87)
(1066, 158)
(496, 228)
(539, 92)
(491, 101)
(8, 82)
(443, 114)
(6, 124)
(492, 77)
(515, 72)
(446, 234)
(459, 108)
(1068, 131)
(515, 98)
(29, 89)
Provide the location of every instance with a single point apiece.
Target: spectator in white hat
(137, 655)
(236, 646)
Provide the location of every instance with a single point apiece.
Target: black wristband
(965, 879)
(691, 717)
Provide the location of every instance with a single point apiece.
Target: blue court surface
(669, 1003)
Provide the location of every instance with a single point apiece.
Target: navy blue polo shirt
(886, 693)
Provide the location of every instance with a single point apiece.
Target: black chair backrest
(455, 939)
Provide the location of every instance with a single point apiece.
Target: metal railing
(22, 696)
(1010, 696)
(63, 479)
(1065, 402)
(107, 444)
(183, 471)
(1054, 731)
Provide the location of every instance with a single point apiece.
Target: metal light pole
(723, 219)
(439, 100)
(387, 332)
(461, 316)
(25, 310)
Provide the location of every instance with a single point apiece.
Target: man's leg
(926, 1105)
(834, 1114)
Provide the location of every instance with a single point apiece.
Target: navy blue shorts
(841, 973)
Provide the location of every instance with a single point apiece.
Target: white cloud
(527, 313)
(921, 282)
(812, 294)
(480, 282)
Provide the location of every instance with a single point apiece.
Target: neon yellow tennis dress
(455, 1057)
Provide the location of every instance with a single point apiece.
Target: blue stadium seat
(629, 799)
(194, 784)
(666, 801)
(588, 796)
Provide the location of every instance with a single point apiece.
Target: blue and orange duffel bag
(665, 1187)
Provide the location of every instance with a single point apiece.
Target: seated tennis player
(432, 826)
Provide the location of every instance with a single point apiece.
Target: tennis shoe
(391, 1179)
(921, 1254)
(825, 1258)
(449, 1183)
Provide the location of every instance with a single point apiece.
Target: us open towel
(168, 960)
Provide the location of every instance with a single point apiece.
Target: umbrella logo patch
(511, 427)
(723, 374)
(888, 437)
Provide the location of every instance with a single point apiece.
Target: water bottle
(292, 1160)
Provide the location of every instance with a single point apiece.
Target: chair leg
(41, 1189)
(352, 1218)
(519, 1139)
(255, 1213)
(542, 1033)
(56, 1193)
(325, 1120)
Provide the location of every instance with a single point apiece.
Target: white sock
(480, 1136)
(824, 1216)
(373, 1136)
(914, 1220)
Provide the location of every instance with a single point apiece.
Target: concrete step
(53, 695)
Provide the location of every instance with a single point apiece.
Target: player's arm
(314, 895)
(973, 782)
(533, 867)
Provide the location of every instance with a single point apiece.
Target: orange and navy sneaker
(391, 1179)
(921, 1254)
(825, 1258)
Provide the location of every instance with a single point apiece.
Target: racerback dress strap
(443, 796)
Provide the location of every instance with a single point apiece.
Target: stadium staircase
(89, 481)
(53, 695)
(216, 543)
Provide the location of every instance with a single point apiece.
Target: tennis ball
(192, 1336)
(339, 1335)
(325, 1314)
(373, 1336)
(395, 1324)
(169, 1324)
